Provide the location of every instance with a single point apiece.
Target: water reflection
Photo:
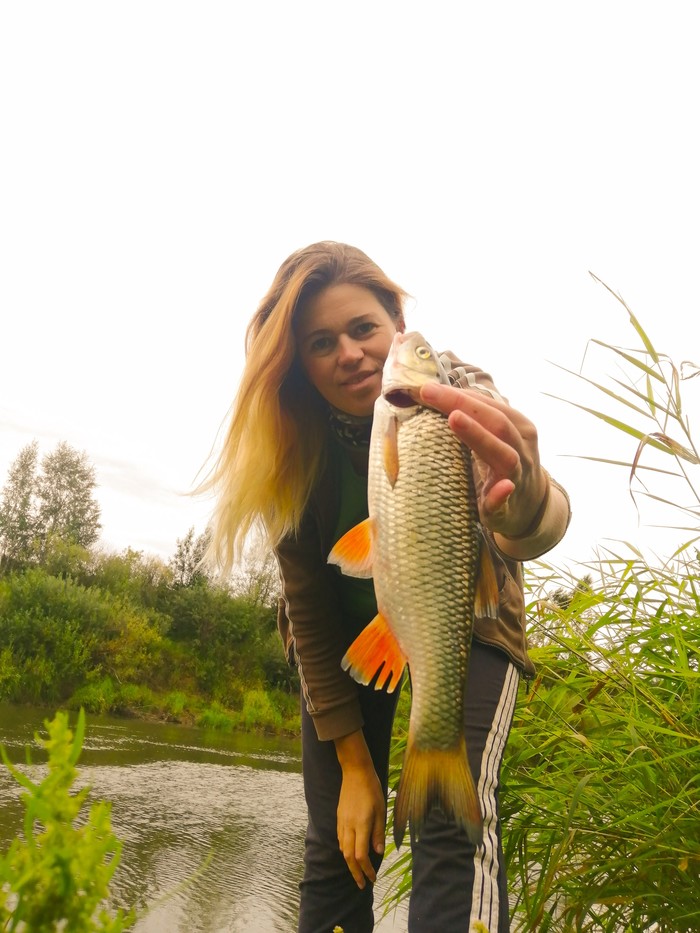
(212, 825)
(217, 837)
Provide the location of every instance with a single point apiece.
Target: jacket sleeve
(554, 516)
(309, 620)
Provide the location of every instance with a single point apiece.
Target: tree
(186, 564)
(54, 506)
(256, 577)
(18, 512)
(67, 505)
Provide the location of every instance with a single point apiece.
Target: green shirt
(358, 602)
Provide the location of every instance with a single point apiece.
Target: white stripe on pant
(485, 891)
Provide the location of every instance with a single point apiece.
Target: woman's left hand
(504, 444)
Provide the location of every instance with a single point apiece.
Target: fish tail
(437, 777)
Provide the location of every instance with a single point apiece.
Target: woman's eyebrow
(319, 332)
(323, 331)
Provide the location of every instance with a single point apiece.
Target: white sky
(159, 160)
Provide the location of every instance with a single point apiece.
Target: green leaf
(633, 320)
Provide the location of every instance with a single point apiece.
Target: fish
(424, 547)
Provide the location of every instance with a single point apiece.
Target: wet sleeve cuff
(547, 529)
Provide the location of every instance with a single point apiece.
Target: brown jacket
(310, 618)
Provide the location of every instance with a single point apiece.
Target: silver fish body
(423, 545)
(426, 553)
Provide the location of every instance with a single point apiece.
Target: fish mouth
(402, 398)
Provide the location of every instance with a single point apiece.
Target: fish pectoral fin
(486, 599)
(391, 450)
(375, 649)
(353, 553)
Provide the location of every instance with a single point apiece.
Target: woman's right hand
(361, 808)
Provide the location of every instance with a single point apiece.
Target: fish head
(411, 364)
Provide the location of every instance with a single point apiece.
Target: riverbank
(262, 711)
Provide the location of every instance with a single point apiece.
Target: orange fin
(375, 649)
(391, 451)
(353, 552)
(486, 596)
(437, 777)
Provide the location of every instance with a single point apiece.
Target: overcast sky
(159, 161)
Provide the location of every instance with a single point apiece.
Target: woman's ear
(400, 324)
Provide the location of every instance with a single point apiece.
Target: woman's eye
(365, 328)
(320, 344)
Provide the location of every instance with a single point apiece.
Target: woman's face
(344, 334)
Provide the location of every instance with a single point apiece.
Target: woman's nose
(349, 351)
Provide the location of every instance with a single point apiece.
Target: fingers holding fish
(500, 435)
(504, 445)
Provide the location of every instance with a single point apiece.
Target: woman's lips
(358, 380)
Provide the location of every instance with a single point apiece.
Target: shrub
(216, 717)
(62, 634)
(175, 703)
(96, 697)
(259, 712)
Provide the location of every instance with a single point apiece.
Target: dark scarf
(351, 430)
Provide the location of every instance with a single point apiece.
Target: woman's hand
(504, 444)
(361, 808)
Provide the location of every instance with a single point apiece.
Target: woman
(294, 462)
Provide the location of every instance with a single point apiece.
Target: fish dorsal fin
(391, 450)
(353, 553)
(486, 599)
(375, 649)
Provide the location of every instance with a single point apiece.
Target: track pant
(454, 883)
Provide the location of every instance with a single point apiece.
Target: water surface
(212, 824)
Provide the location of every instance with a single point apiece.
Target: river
(212, 824)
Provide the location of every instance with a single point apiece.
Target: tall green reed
(601, 784)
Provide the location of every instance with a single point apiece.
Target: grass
(602, 777)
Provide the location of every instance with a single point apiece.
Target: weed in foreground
(56, 876)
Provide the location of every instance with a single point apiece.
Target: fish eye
(423, 353)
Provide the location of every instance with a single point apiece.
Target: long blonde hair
(275, 444)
